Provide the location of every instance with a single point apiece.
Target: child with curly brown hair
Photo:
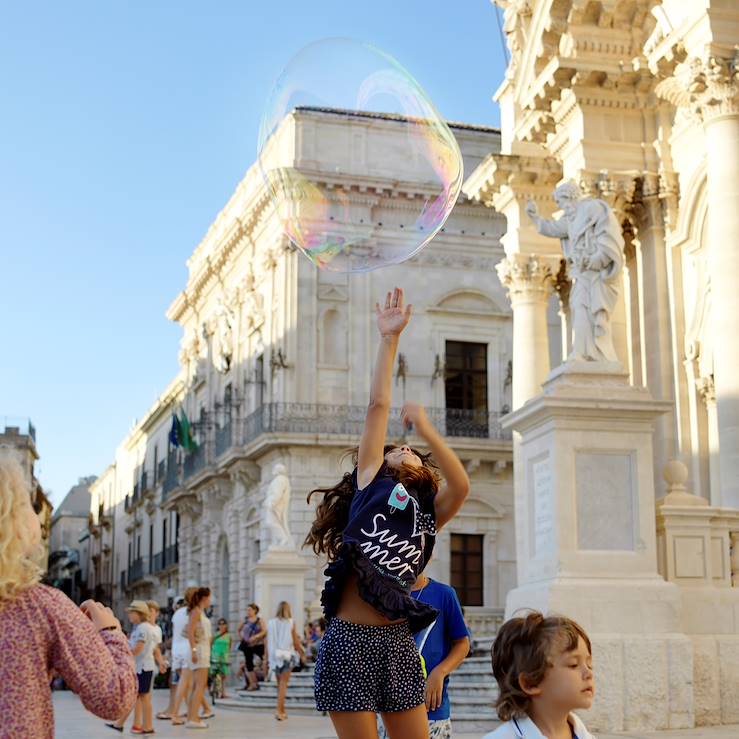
(378, 526)
(544, 669)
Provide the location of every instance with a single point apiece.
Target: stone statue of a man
(277, 509)
(593, 246)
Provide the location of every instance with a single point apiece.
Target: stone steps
(472, 689)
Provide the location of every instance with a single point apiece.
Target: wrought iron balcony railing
(348, 420)
(136, 570)
(194, 461)
(171, 480)
(322, 419)
(224, 438)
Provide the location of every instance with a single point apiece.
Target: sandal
(117, 728)
(178, 722)
(164, 716)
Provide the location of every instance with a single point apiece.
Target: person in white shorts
(180, 655)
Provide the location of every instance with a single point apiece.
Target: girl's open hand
(414, 415)
(393, 318)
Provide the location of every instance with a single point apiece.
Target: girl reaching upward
(378, 527)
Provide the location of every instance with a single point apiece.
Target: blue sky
(124, 128)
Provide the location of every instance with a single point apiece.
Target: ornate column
(530, 283)
(707, 389)
(709, 87)
(507, 182)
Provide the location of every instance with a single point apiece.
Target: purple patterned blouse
(42, 630)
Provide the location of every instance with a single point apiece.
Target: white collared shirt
(525, 728)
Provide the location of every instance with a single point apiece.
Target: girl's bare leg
(147, 713)
(183, 692)
(138, 711)
(411, 724)
(354, 724)
(200, 680)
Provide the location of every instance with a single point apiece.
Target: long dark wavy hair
(332, 513)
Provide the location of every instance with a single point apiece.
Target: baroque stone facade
(275, 368)
(637, 103)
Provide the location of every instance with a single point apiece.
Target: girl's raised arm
(391, 320)
(455, 490)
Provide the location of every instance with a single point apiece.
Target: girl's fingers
(377, 309)
(409, 311)
(388, 299)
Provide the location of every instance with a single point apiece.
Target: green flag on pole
(184, 433)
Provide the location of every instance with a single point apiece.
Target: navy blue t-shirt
(448, 628)
(394, 528)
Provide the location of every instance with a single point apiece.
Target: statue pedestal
(586, 540)
(280, 575)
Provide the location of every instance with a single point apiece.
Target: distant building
(68, 525)
(20, 434)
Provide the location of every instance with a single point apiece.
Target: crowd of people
(391, 635)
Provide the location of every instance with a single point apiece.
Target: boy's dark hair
(523, 649)
(332, 513)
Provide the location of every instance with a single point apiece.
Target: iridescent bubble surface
(360, 166)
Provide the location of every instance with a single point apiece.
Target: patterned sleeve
(97, 666)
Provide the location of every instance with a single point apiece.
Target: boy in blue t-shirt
(443, 647)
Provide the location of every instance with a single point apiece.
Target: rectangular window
(156, 463)
(151, 546)
(467, 568)
(466, 389)
(259, 379)
(164, 534)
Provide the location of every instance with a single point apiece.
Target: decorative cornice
(525, 176)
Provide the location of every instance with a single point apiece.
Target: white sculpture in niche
(277, 509)
(593, 246)
(224, 328)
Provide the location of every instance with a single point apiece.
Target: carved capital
(708, 87)
(617, 189)
(527, 276)
(707, 389)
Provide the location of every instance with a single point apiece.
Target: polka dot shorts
(368, 668)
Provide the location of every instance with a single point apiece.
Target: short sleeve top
(394, 529)
(386, 544)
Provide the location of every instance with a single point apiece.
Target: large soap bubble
(360, 166)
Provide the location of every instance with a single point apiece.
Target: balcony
(224, 438)
(348, 420)
(136, 571)
(171, 478)
(168, 557)
(194, 462)
(161, 471)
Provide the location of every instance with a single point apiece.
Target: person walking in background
(284, 651)
(179, 657)
(42, 630)
(252, 632)
(443, 646)
(221, 655)
(142, 642)
(181, 662)
(198, 634)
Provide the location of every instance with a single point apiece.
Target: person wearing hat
(142, 642)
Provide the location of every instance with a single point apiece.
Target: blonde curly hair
(19, 570)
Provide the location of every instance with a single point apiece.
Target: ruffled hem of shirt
(382, 593)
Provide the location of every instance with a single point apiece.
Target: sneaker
(196, 725)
